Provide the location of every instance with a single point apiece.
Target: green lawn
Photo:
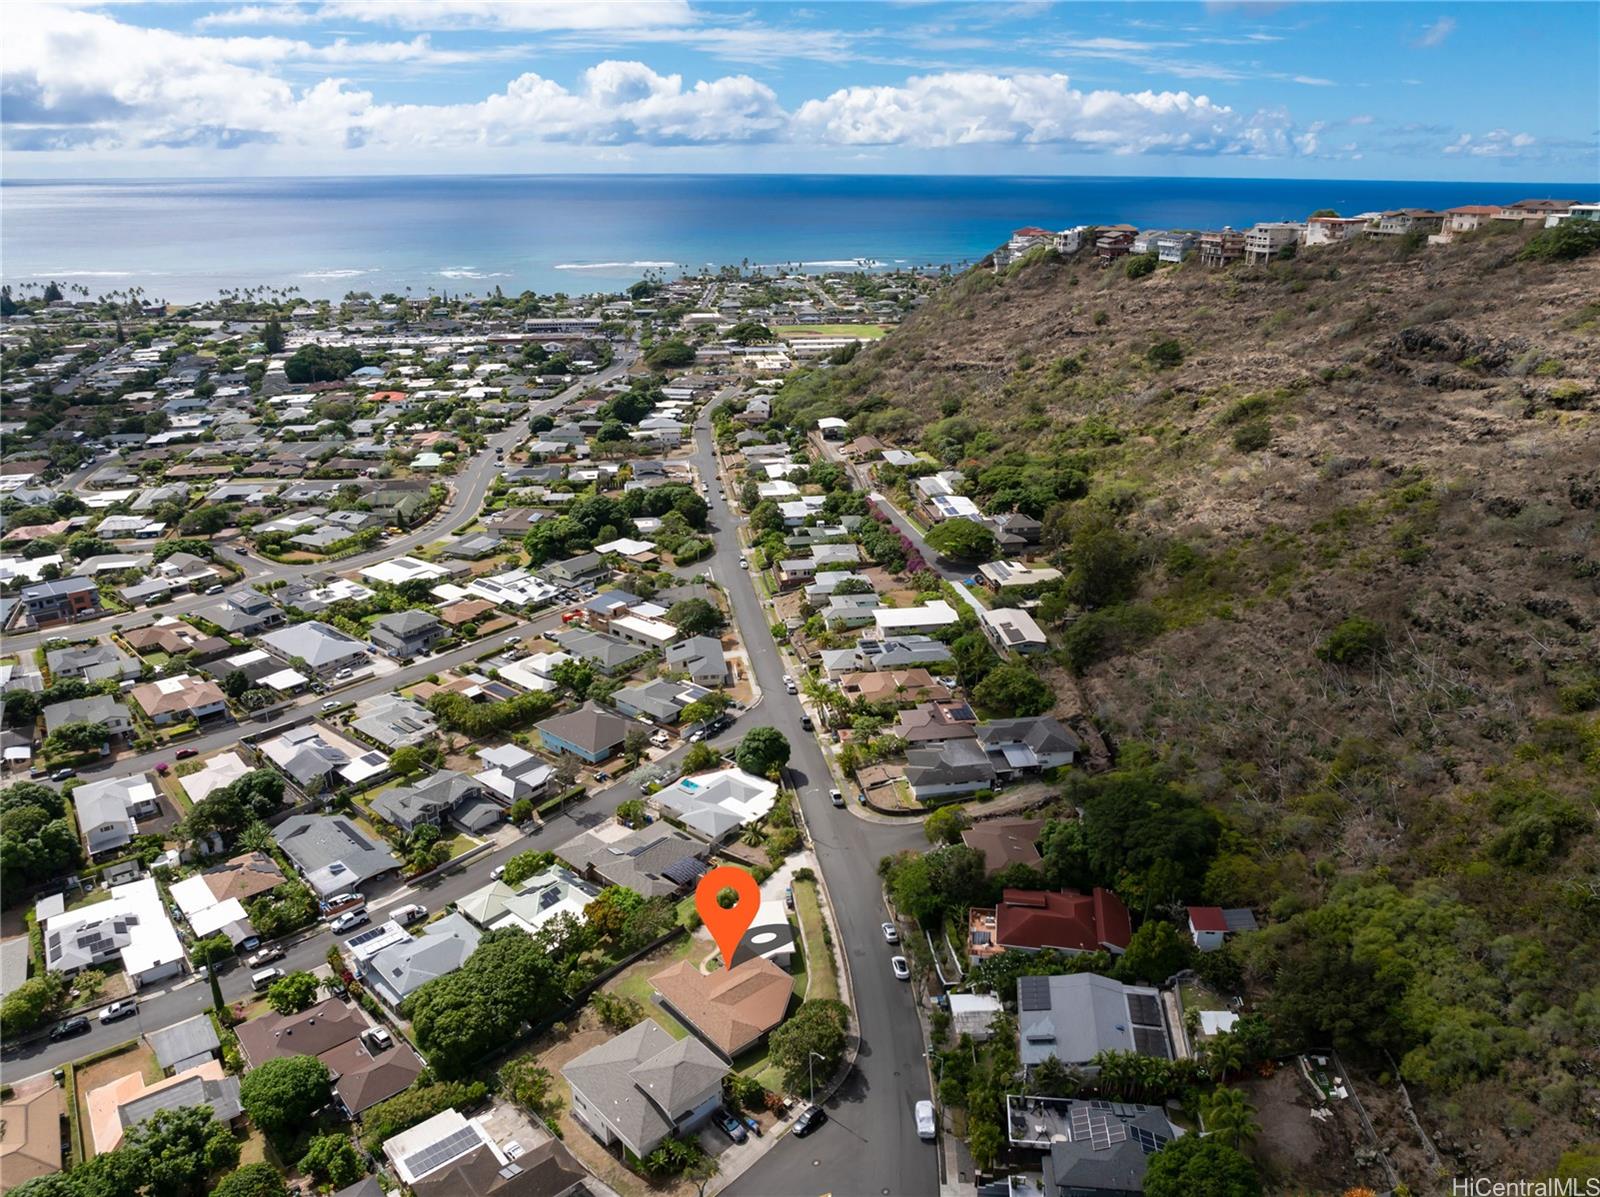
(758, 1064)
(869, 331)
(639, 989)
(823, 981)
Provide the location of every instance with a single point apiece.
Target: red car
(184, 754)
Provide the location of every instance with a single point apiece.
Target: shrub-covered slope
(1356, 496)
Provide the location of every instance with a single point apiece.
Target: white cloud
(1497, 143)
(1435, 34)
(974, 108)
(1313, 81)
(81, 84)
(524, 15)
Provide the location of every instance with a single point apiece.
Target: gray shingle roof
(332, 851)
(191, 1037)
(609, 1078)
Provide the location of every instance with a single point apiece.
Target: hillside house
(1222, 248)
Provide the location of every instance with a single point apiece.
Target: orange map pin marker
(728, 926)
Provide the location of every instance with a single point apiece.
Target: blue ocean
(184, 240)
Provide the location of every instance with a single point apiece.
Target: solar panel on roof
(1143, 1009)
(366, 937)
(1149, 1041)
(1149, 1141)
(436, 1155)
(1033, 993)
(685, 871)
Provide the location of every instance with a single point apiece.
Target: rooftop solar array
(1144, 1010)
(1033, 993)
(437, 1155)
(1094, 1123)
(1149, 1141)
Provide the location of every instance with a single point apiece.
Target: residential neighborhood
(381, 679)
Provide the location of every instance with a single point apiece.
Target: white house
(131, 925)
(930, 617)
(107, 810)
(715, 805)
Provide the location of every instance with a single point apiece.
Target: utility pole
(811, 1072)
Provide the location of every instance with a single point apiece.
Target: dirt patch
(1299, 1152)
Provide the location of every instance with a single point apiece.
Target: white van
(926, 1127)
(260, 980)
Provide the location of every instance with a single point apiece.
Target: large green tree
(695, 617)
(282, 1094)
(292, 992)
(963, 540)
(253, 1180)
(761, 750)
(1193, 1166)
(332, 1159)
(182, 1148)
(817, 1026)
(1012, 690)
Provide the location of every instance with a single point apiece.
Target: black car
(813, 1117)
(805, 722)
(76, 1025)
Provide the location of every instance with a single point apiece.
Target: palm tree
(1223, 1055)
(1227, 1115)
(752, 835)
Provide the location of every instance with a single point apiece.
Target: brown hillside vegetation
(1365, 509)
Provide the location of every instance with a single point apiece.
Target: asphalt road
(869, 1144)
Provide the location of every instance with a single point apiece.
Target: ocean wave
(471, 272)
(348, 273)
(84, 274)
(615, 265)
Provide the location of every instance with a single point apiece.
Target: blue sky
(1402, 91)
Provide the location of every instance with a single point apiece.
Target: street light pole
(812, 1072)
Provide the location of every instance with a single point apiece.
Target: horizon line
(61, 180)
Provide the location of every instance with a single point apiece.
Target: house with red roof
(1031, 920)
(1210, 926)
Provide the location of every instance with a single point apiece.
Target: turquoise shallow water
(184, 240)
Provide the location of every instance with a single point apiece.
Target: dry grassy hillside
(1409, 438)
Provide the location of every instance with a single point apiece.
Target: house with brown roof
(933, 722)
(730, 1009)
(1533, 210)
(367, 1067)
(30, 1131)
(465, 611)
(1006, 842)
(311, 1032)
(244, 877)
(1031, 920)
(176, 699)
(903, 687)
(173, 636)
